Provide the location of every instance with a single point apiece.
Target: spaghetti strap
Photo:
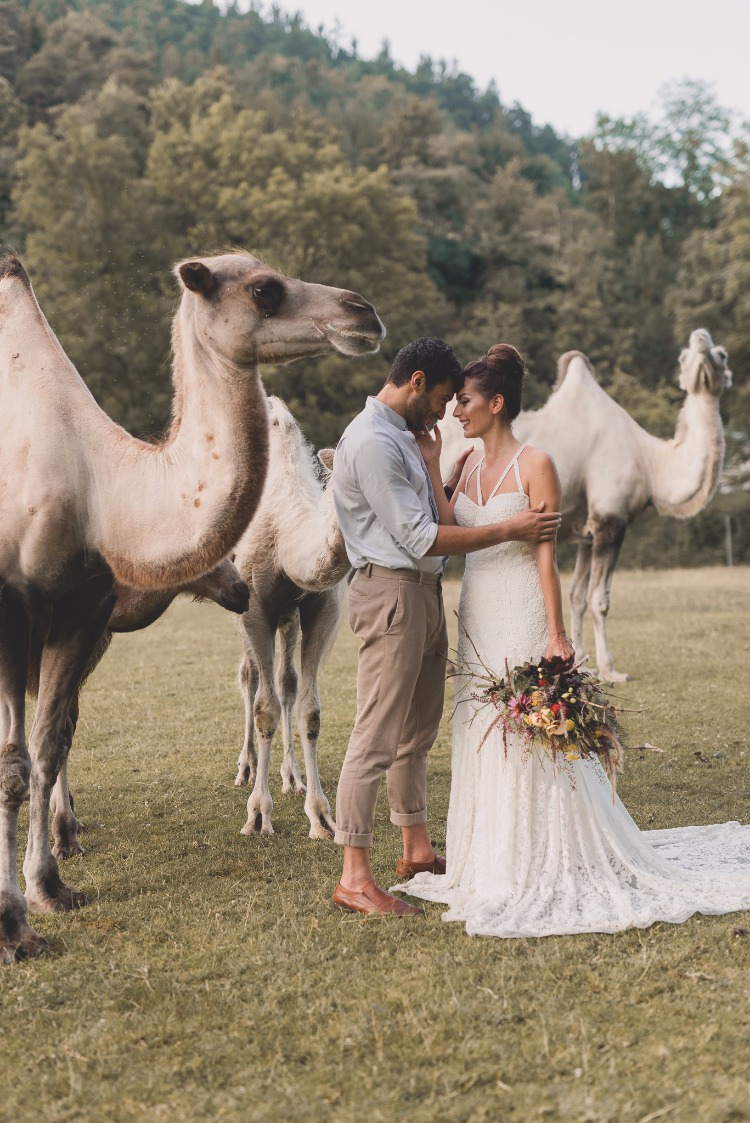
(513, 464)
(466, 483)
(517, 470)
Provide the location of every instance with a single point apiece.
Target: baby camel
(293, 558)
(134, 610)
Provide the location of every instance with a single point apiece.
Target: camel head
(704, 368)
(247, 313)
(223, 585)
(286, 439)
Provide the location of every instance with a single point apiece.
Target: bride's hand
(430, 445)
(560, 646)
(455, 479)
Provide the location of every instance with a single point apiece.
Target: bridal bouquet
(556, 705)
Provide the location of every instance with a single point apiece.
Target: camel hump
(564, 362)
(10, 265)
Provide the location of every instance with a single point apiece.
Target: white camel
(83, 502)
(294, 560)
(611, 469)
(134, 610)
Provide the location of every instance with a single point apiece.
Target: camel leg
(608, 538)
(578, 593)
(319, 618)
(286, 685)
(65, 825)
(78, 622)
(247, 762)
(17, 938)
(266, 714)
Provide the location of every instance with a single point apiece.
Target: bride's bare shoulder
(538, 470)
(537, 460)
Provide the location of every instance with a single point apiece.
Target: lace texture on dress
(529, 853)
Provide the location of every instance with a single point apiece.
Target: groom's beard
(417, 413)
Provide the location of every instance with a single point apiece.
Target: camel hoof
(615, 676)
(71, 849)
(257, 826)
(65, 833)
(293, 784)
(245, 776)
(321, 832)
(322, 825)
(29, 946)
(61, 898)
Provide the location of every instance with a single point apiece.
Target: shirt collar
(387, 414)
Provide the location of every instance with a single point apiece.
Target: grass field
(210, 979)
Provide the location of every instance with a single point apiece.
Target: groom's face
(427, 407)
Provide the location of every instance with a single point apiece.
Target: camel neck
(685, 471)
(171, 510)
(309, 544)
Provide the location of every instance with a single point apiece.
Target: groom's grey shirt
(383, 495)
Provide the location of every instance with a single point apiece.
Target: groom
(387, 513)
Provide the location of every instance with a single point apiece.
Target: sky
(563, 60)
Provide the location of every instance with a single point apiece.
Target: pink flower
(519, 705)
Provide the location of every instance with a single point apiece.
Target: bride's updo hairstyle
(501, 371)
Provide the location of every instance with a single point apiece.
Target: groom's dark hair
(434, 357)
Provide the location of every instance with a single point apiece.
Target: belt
(414, 575)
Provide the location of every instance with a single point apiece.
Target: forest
(134, 133)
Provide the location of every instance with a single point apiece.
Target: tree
(97, 253)
(713, 291)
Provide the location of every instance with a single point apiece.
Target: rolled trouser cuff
(348, 838)
(411, 820)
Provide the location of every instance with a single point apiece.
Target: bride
(533, 851)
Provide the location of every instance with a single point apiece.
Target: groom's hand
(535, 525)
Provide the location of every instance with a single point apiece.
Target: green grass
(210, 979)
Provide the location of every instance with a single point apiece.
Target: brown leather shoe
(407, 868)
(373, 899)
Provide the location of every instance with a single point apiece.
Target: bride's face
(476, 414)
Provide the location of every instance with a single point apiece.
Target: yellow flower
(556, 729)
(536, 697)
(572, 753)
(568, 725)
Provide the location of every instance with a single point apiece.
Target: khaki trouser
(398, 616)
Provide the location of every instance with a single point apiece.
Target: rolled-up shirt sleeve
(382, 478)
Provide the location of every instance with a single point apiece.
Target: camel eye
(268, 295)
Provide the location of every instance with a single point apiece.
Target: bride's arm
(544, 486)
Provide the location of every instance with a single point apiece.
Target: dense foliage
(136, 132)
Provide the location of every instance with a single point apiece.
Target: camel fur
(83, 503)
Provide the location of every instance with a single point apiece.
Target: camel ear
(325, 456)
(197, 277)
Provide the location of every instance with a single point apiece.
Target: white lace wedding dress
(528, 853)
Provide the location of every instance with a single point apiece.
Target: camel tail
(564, 362)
